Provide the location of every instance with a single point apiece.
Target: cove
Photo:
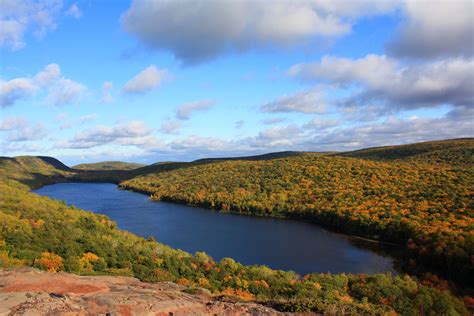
(278, 243)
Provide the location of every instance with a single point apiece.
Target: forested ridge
(428, 205)
(452, 152)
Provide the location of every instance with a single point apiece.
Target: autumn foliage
(426, 207)
(49, 262)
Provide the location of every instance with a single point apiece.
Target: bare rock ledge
(28, 291)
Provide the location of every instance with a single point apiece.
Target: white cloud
(65, 91)
(28, 133)
(183, 112)
(435, 28)
(15, 89)
(198, 144)
(132, 133)
(277, 136)
(59, 90)
(147, 80)
(311, 101)
(201, 30)
(74, 11)
(387, 83)
(17, 17)
(45, 77)
(170, 127)
(106, 92)
(19, 129)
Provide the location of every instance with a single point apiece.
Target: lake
(278, 243)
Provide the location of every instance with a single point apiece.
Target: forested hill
(422, 202)
(455, 151)
(48, 234)
(34, 171)
(109, 165)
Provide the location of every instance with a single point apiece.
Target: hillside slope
(454, 151)
(34, 171)
(424, 205)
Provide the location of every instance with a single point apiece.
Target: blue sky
(149, 81)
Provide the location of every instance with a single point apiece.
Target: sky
(148, 81)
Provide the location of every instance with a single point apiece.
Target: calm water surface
(277, 243)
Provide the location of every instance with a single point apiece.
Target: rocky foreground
(29, 291)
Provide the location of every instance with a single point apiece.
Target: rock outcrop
(29, 291)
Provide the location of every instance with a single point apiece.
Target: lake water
(277, 243)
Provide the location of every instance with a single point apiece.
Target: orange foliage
(183, 282)
(241, 294)
(50, 262)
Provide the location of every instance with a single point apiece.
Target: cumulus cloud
(201, 30)
(132, 133)
(386, 82)
(311, 101)
(170, 127)
(147, 80)
(17, 17)
(184, 111)
(60, 90)
(433, 29)
(107, 92)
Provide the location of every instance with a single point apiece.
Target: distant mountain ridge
(109, 165)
